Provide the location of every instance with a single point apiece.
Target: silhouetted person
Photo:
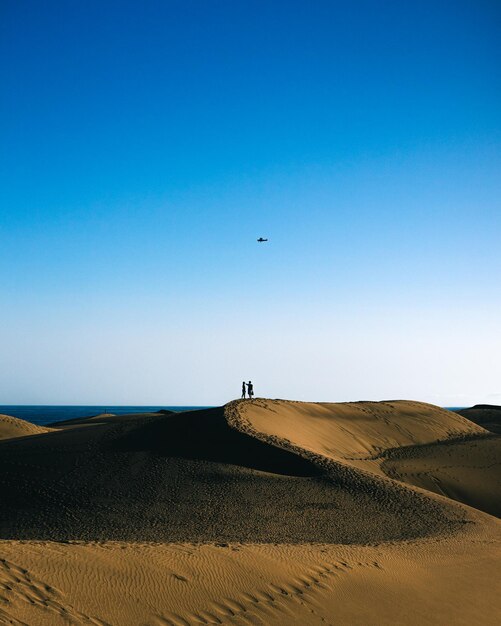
(250, 390)
(243, 390)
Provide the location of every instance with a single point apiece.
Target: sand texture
(486, 415)
(416, 443)
(12, 427)
(262, 512)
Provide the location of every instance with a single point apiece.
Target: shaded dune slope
(12, 427)
(415, 443)
(194, 477)
(205, 436)
(467, 470)
(487, 416)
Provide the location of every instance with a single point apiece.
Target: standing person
(243, 390)
(250, 390)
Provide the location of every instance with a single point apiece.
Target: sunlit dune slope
(193, 477)
(449, 581)
(416, 443)
(354, 430)
(107, 417)
(12, 427)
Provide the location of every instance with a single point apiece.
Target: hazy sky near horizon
(147, 145)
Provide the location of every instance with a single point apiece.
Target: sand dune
(416, 443)
(452, 581)
(263, 512)
(486, 415)
(467, 470)
(352, 430)
(192, 477)
(12, 427)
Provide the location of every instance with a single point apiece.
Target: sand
(416, 443)
(12, 427)
(263, 512)
(486, 415)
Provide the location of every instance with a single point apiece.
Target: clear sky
(145, 146)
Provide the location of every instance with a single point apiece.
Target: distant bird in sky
(260, 240)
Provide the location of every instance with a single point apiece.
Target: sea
(46, 414)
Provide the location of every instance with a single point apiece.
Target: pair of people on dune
(250, 390)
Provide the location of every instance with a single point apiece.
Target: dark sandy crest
(486, 415)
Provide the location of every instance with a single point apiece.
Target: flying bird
(260, 240)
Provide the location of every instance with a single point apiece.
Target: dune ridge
(194, 477)
(486, 415)
(265, 513)
(13, 427)
(415, 443)
(350, 430)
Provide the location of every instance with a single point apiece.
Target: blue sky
(145, 147)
